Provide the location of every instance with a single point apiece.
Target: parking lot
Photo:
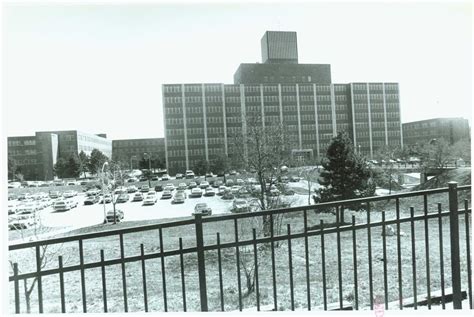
(89, 215)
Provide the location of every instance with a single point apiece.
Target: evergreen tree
(73, 167)
(83, 163)
(97, 159)
(201, 167)
(60, 168)
(345, 174)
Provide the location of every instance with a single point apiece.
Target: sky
(99, 68)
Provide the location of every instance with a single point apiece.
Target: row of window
(21, 143)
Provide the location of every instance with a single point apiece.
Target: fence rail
(247, 248)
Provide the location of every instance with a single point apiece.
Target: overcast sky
(99, 68)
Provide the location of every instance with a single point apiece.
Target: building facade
(36, 155)
(201, 120)
(449, 129)
(131, 151)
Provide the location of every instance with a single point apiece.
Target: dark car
(155, 178)
(122, 198)
(90, 200)
(118, 215)
(158, 188)
(143, 179)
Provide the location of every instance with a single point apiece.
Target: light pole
(103, 194)
(149, 168)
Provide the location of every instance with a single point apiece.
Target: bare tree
(47, 254)
(263, 148)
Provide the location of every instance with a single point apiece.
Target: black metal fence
(231, 263)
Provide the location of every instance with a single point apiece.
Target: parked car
(132, 189)
(178, 198)
(235, 189)
(120, 190)
(64, 205)
(12, 208)
(209, 174)
(240, 205)
(143, 179)
(150, 199)
(233, 172)
(166, 194)
(69, 193)
(145, 189)
(27, 207)
(179, 176)
(240, 182)
(229, 183)
(110, 216)
(122, 198)
(209, 192)
(93, 192)
(54, 194)
(190, 174)
(107, 199)
(274, 192)
(217, 183)
(295, 179)
(170, 187)
(196, 192)
(221, 190)
(155, 178)
(165, 177)
(204, 185)
(91, 200)
(137, 197)
(192, 185)
(202, 209)
(228, 195)
(182, 186)
(22, 220)
(159, 188)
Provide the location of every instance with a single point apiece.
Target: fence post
(454, 233)
(201, 261)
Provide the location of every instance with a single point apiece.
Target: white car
(64, 204)
(222, 189)
(150, 199)
(28, 207)
(69, 194)
(196, 192)
(240, 205)
(165, 177)
(204, 185)
(22, 220)
(12, 208)
(235, 189)
(190, 174)
(169, 187)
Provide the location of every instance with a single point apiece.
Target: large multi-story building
(131, 151)
(36, 155)
(449, 129)
(200, 119)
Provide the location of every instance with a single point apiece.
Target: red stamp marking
(379, 307)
